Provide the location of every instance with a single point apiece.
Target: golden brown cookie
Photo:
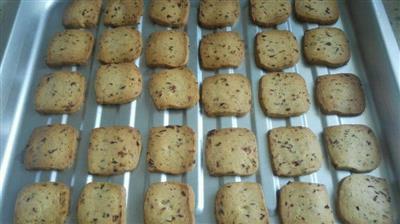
(323, 12)
(123, 12)
(175, 200)
(70, 47)
(241, 203)
(114, 150)
(174, 89)
(304, 203)
(52, 147)
(47, 201)
(340, 94)
(276, 50)
(168, 49)
(221, 50)
(268, 13)
(218, 13)
(364, 199)
(102, 203)
(118, 83)
(226, 95)
(231, 151)
(326, 46)
(82, 14)
(60, 92)
(294, 151)
(174, 13)
(171, 149)
(352, 147)
(118, 45)
(283, 94)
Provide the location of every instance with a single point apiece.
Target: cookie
(174, 89)
(221, 50)
(101, 202)
(352, 147)
(323, 12)
(276, 50)
(169, 202)
(114, 150)
(168, 49)
(51, 147)
(218, 13)
(231, 151)
(70, 47)
(123, 12)
(118, 83)
(268, 13)
(295, 151)
(60, 92)
(226, 95)
(326, 46)
(121, 44)
(47, 201)
(82, 14)
(171, 149)
(241, 203)
(304, 203)
(364, 199)
(172, 13)
(283, 95)
(340, 94)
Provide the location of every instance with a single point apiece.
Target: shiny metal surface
(23, 64)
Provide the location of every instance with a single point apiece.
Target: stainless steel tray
(374, 59)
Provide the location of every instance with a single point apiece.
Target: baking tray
(23, 65)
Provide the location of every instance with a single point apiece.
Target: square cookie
(70, 47)
(364, 199)
(114, 150)
(102, 203)
(304, 203)
(241, 203)
(221, 50)
(47, 201)
(51, 147)
(123, 12)
(326, 46)
(352, 147)
(323, 12)
(118, 83)
(171, 149)
(172, 13)
(121, 44)
(276, 50)
(283, 94)
(340, 94)
(268, 13)
(231, 151)
(60, 92)
(169, 202)
(295, 151)
(218, 13)
(168, 49)
(226, 95)
(174, 89)
(82, 14)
